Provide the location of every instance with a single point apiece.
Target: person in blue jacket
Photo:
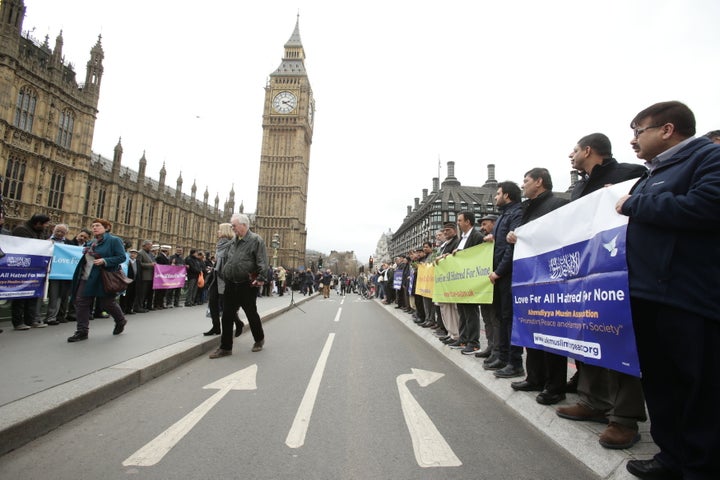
(104, 250)
(673, 255)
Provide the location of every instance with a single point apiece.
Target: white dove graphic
(611, 246)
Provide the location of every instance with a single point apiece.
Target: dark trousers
(141, 292)
(547, 370)
(492, 325)
(84, 308)
(192, 290)
(239, 295)
(214, 301)
(680, 361)
(469, 314)
(420, 307)
(58, 299)
(504, 309)
(25, 310)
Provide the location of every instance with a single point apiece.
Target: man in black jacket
(25, 311)
(506, 359)
(605, 395)
(546, 372)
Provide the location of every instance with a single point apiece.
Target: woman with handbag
(216, 286)
(104, 251)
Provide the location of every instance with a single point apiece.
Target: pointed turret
(94, 72)
(193, 190)
(178, 188)
(206, 195)
(142, 167)
(163, 173)
(57, 58)
(293, 62)
(117, 156)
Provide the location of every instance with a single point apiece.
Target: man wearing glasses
(674, 278)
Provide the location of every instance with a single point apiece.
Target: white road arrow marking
(296, 435)
(431, 449)
(156, 449)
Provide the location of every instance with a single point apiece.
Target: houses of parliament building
(47, 120)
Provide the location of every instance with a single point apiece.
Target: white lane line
(296, 435)
(430, 447)
(156, 449)
(337, 315)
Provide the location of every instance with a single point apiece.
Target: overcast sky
(398, 85)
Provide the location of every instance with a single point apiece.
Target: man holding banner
(469, 313)
(673, 257)
(545, 370)
(605, 395)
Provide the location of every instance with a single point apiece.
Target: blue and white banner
(24, 267)
(570, 287)
(65, 259)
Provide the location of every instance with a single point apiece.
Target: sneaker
(508, 371)
(470, 350)
(38, 325)
(457, 345)
(619, 437)
(220, 352)
(581, 413)
(22, 326)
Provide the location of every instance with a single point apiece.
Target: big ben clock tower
(285, 157)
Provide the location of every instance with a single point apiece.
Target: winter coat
(111, 249)
(673, 234)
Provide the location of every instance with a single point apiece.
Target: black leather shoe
(119, 327)
(525, 386)
(549, 398)
(496, 365)
(484, 354)
(652, 470)
(211, 332)
(78, 336)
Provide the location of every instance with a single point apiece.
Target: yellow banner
(425, 280)
(463, 277)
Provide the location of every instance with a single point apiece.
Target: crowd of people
(673, 257)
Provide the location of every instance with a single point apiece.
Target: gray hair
(146, 242)
(241, 218)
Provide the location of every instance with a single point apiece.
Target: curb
(31, 417)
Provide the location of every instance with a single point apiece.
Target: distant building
(47, 121)
(443, 204)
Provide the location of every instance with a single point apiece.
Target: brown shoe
(257, 346)
(581, 413)
(220, 352)
(619, 437)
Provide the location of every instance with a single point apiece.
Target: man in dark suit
(468, 313)
(546, 372)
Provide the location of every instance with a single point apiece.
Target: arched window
(65, 128)
(14, 178)
(57, 190)
(25, 109)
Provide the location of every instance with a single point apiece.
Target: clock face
(284, 102)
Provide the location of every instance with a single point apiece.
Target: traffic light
(371, 262)
(319, 262)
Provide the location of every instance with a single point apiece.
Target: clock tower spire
(285, 156)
